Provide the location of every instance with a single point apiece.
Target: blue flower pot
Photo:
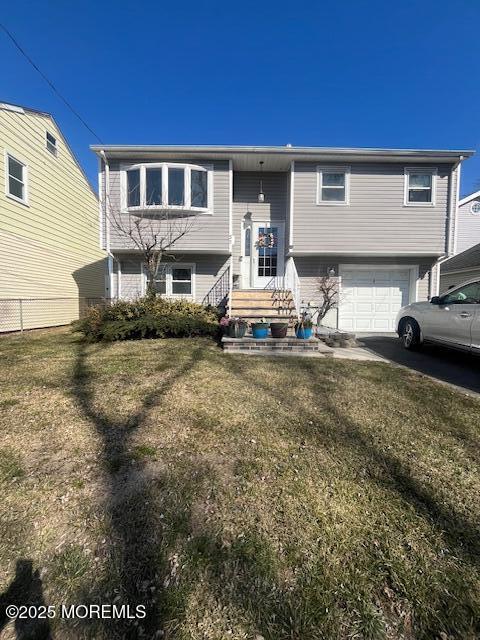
(304, 333)
(259, 330)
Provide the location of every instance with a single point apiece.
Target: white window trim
(321, 169)
(430, 170)
(168, 269)
(54, 152)
(164, 166)
(23, 200)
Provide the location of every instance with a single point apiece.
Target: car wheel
(410, 334)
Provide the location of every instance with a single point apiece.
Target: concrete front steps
(276, 346)
(275, 305)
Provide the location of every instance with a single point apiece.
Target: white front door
(371, 298)
(268, 254)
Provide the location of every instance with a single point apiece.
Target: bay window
(176, 186)
(420, 186)
(133, 188)
(199, 189)
(153, 179)
(167, 186)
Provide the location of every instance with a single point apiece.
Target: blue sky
(350, 73)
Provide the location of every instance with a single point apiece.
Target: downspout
(452, 226)
(231, 238)
(110, 255)
(452, 216)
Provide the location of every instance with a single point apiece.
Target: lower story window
(174, 280)
(182, 281)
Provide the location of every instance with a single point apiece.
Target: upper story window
(333, 185)
(420, 186)
(16, 179)
(167, 186)
(51, 143)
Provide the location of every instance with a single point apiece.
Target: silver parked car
(452, 319)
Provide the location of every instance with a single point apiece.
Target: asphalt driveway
(445, 365)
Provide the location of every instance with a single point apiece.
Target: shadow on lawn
(243, 572)
(25, 590)
(138, 561)
(457, 610)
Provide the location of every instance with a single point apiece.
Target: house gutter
(451, 229)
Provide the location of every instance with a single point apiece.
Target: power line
(49, 82)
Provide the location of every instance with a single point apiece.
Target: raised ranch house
(275, 219)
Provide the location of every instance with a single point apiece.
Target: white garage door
(370, 299)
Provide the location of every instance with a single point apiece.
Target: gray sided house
(461, 268)
(467, 231)
(279, 218)
(465, 263)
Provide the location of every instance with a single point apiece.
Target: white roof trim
(472, 196)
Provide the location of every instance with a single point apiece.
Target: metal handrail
(220, 290)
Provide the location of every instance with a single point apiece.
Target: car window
(469, 294)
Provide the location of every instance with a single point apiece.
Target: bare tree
(327, 287)
(153, 233)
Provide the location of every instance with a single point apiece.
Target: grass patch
(8, 402)
(10, 466)
(239, 497)
(144, 451)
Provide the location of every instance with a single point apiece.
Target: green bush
(148, 318)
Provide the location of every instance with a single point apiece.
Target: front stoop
(276, 346)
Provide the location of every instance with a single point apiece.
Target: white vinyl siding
(208, 234)
(207, 269)
(376, 219)
(468, 226)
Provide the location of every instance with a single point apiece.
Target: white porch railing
(292, 282)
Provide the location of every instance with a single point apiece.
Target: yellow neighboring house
(51, 263)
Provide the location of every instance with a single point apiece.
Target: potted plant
(304, 327)
(224, 322)
(279, 329)
(237, 328)
(260, 329)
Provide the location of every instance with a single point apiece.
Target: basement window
(175, 280)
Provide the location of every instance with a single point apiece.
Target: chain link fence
(20, 314)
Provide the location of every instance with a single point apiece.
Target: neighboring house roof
(472, 196)
(279, 158)
(19, 108)
(466, 260)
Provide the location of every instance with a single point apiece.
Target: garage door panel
(371, 298)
